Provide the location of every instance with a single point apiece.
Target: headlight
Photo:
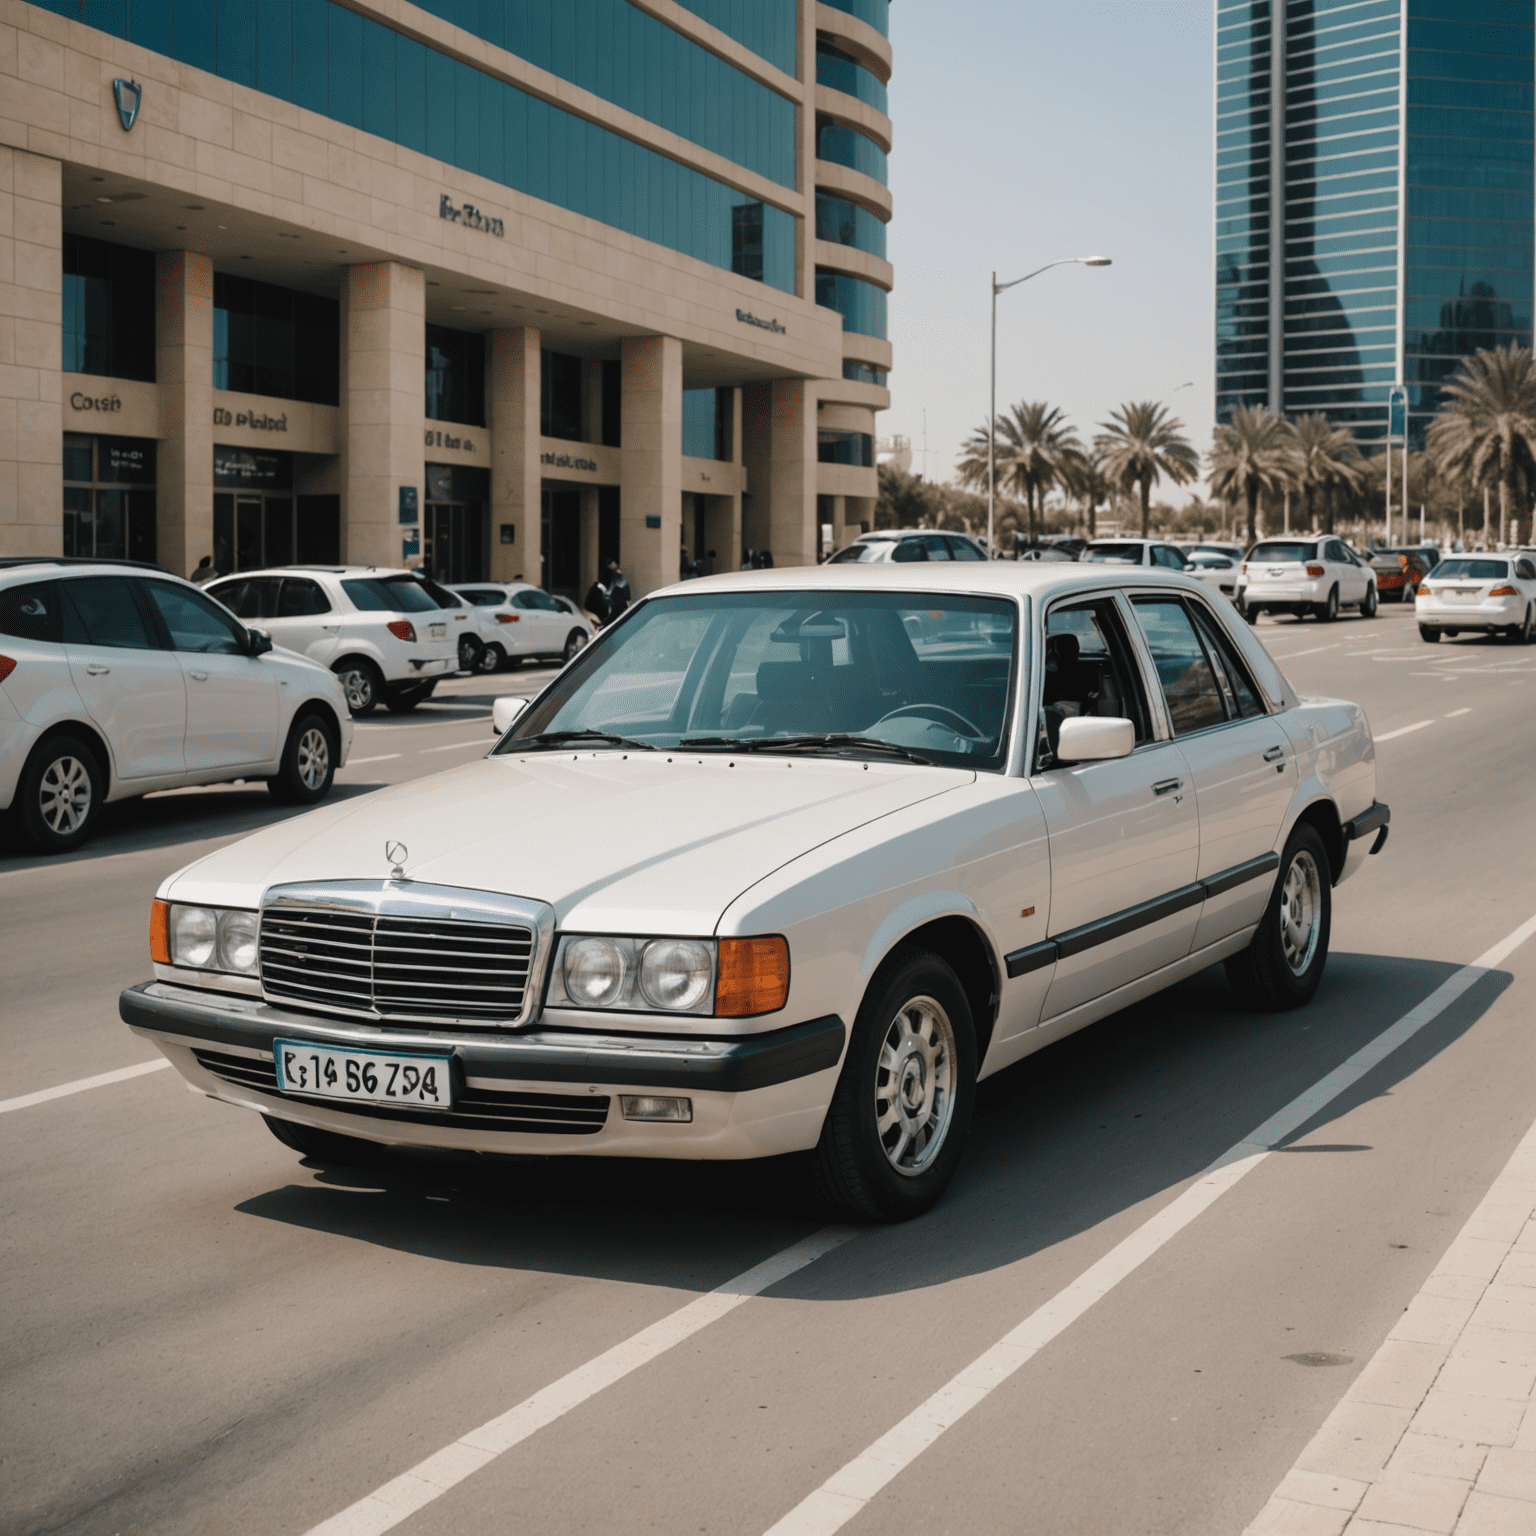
(675, 973)
(595, 971)
(642, 975)
(208, 939)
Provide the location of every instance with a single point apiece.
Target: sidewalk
(1438, 1433)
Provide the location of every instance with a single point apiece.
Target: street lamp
(997, 288)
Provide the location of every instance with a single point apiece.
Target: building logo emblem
(129, 93)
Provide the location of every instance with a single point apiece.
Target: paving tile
(1285, 1517)
(1359, 1527)
(1510, 1475)
(1417, 1500)
(1487, 1515)
(1320, 1488)
(1518, 1270)
(1486, 1378)
(1460, 1416)
(1435, 1319)
(1475, 1256)
(1478, 1342)
(1356, 1440)
(1454, 1286)
(1399, 1374)
(1437, 1456)
(1510, 1307)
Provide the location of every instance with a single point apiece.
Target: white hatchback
(1495, 594)
(375, 628)
(1301, 576)
(519, 621)
(118, 679)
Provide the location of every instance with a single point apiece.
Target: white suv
(375, 628)
(523, 620)
(117, 679)
(1309, 575)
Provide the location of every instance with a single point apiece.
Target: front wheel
(308, 766)
(574, 642)
(322, 1146)
(469, 653)
(59, 798)
(901, 1111)
(1368, 607)
(1283, 964)
(490, 658)
(1328, 611)
(1429, 632)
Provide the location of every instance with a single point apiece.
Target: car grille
(385, 966)
(483, 1109)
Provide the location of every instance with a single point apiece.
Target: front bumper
(542, 1090)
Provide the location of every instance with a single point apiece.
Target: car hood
(646, 843)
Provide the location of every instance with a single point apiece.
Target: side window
(195, 624)
(1242, 697)
(1525, 570)
(1166, 554)
(938, 549)
(1089, 670)
(523, 599)
(963, 549)
(908, 550)
(1190, 688)
(483, 599)
(301, 597)
(104, 613)
(31, 612)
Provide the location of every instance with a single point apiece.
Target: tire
(1328, 611)
(361, 683)
(469, 653)
(308, 766)
(1429, 632)
(59, 796)
(575, 643)
(401, 701)
(1283, 965)
(1369, 606)
(915, 1007)
(512, 663)
(323, 1146)
(1522, 634)
(491, 658)
(1250, 615)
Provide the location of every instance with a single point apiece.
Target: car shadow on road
(1120, 1114)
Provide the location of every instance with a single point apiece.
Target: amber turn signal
(1504, 591)
(752, 976)
(160, 932)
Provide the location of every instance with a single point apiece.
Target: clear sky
(1026, 130)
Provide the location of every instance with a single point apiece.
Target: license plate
(369, 1077)
(438, 631)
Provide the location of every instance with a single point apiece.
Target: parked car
(1494, 594)
(1233, 552)
(375, 628)
(1399, 572)
(118, 679)
(522, 621)
(783, 863)
(1135, 552)
(471, 627)
(1317, 575)
(907, 545)
(1218, 572)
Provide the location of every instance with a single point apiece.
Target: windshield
(928, 673)
(1290, 554)
(1471, 570)
(388, 594)
(1113, 554)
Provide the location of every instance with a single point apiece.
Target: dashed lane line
(383, 757)
(1291, 655)
(401, 1497)
(80, 1084)
(1455, 712)
(1403, 730)
(847, 1491)
(485, 745)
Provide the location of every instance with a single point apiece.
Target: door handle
(1167, 786)
(1274, 754)
(202, 677)
(95, 669)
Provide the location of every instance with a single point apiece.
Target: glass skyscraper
(1358, 243)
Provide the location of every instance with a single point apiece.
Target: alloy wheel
(489, 659)
(314, 758)
(64, 795)
(915, 1086)
(575, 642)
(1300, 908)
(358, 687)
(469, 653)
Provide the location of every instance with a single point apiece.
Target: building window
(842, 72)
(855, 448)
(767, 27)
(863, 373)
(747, 240)
(847, 146)
(877, 13)
(109, 309)
(275, 341)
(560, 396)
(848, 224)
(455, 376)
(613, 403)
(707, 424)
(109, 497)
(861, 304)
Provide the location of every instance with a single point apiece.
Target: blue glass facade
(707, 423)
(1354, 316)
(861, 304)
(847, 146)
(848, 224)
(357, 71)
(844, 73)
(767, 27)
(876, 12)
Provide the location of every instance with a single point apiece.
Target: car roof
(876, 534)
(77, 563)
(320, 570)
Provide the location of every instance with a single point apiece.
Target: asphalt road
(204, 1334)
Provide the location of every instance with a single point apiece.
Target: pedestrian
(597, 602)
(204, 572)
(618, 590)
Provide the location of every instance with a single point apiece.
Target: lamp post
(997, 288)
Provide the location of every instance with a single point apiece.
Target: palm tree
(1486, 431)
(1034, 447)
(1084, 478)
(1323, 458)
(1139, 444)
(1248, 455)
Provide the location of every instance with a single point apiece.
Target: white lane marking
(1403, 730)
(1455, 712)
(383, 757)
(458, 746)
(1290, 655)
(848, 1490)
(80, 1084)
(402, 1496)
(424, 725)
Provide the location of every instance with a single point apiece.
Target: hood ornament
(397, 854)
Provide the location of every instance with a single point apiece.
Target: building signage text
(79, 402)
(468, 215)
(748, 318)
(258, 420)
(565, 461)
(448, 440)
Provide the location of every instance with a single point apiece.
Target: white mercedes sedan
(784, 862)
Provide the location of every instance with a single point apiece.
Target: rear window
(1113, 554)
(1471, 570)
(30, 612)
(857, 553)
(387, 594)
(1283, 554)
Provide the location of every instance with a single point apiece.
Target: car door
(131, 688)
(1123, 833)
(1352, 576)
(232, 696)
(1240, 759)
(539, 629)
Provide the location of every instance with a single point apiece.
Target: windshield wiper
(550, 740)
(835, 741)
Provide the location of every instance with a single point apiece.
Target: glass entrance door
(453, 542)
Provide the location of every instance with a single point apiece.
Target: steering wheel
(937, 712)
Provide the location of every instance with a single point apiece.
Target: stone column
(383, 341)
(651, 476)
(589, 528)
(184, 372)
(779, 450)
(513, 413)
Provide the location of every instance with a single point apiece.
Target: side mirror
(1087, 739)
(504, 713)
(259, 642)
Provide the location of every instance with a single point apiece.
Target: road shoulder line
(80, 1085)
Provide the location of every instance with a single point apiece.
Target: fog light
(638, 1106)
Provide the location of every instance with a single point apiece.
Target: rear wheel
(1248, 611)
(469, 653)
(1523, 632)
(1328, 611)
(322, 1146)
(1283, 964)
(574, 642)
(1428, 632)
(491, 658)
(308, 766)
(361, 683)
(1368, 607)
(59, 798)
